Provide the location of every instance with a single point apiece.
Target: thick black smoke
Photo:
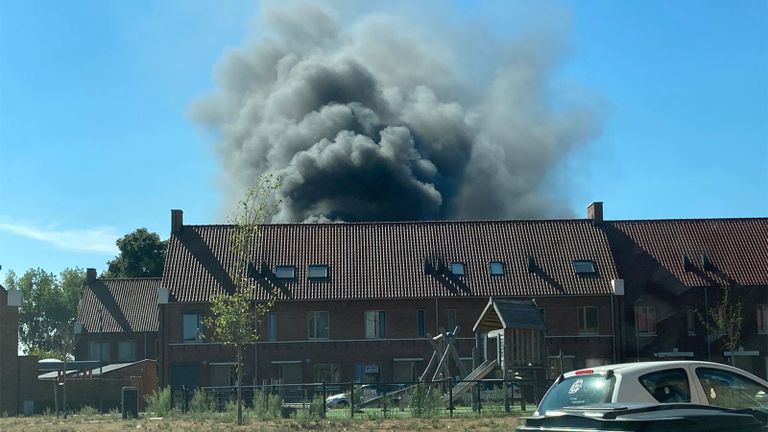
(377, 122)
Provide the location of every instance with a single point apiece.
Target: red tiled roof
(737, 247)
(128, 305)
(386, 260)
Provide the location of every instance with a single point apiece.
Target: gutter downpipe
(706, 320)
(613, 327)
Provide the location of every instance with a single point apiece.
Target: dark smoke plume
(376, 121)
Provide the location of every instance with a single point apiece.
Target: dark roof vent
(687, 264)
(531, 265)
(427, 266)
(706, 264)
(441, 268)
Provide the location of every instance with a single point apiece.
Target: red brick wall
(347, 344)
(104, 393)
(145, 345)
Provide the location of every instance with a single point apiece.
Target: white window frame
(649, 312)
(582, 316)
(374, 327)
(313, 330)
(762, 318)
(199, 331)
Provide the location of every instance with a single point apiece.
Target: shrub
(88, 410)
(159, 402)
(426, 401)
(267, 405)
(201, 402)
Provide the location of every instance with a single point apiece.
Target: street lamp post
(637, 333)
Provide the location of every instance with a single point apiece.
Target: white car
(693, 382)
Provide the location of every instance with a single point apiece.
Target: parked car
(666, 417)
(368, 392)
(692, 382)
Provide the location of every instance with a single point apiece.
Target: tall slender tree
(234, 317)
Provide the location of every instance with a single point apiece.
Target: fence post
(479, 402)
(450, 396)
(522, 397)
(184, 394)
(352, 399)
(324, 409)
(506, 395)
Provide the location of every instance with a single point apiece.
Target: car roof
(628, 368)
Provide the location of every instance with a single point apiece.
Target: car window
(730, 390)
(578, 390)
(667, 386)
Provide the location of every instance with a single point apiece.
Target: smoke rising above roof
(375, 120)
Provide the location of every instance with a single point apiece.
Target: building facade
(355, 301)
(117, 319)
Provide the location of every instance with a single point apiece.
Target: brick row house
(117, 319)
(356, 300)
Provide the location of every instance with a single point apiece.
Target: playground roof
(505, 313)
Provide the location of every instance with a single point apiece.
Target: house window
(457, 269)
(327, 373)
(496, 268)
(285, 272)
(584, 266)
(451, 320)
(192, 327)
(317, 272)
(317, 325)
(420, 330)
(126, 351)
(375, 323)
(99, 351)
(588, 320)
(690, 319)
(272, 326)
(762, 318)
(645, 320)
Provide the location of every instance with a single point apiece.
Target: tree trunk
(239, 385)
(64, 388)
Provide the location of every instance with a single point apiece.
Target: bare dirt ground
(108, 424)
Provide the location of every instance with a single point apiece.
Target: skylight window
(496, 268)
(318, 271)
(457, 269)
(584, 266)
(285, 272)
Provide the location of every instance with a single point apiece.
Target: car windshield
(578, 390)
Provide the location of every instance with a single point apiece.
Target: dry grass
(108, 424)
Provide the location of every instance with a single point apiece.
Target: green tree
(724, 319)
(235, 317)
(142, 254)
(48, 308)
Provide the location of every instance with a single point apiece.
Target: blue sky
(95, 139)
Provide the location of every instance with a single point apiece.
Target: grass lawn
(107, 423)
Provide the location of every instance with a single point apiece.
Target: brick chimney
(177, 221)
(595, 212)
(90, 276)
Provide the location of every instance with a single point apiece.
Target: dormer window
(496, 268)
(318, 271)
(584, 266)
(457, 269)
(285, 272)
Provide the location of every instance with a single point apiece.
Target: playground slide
(479, 373)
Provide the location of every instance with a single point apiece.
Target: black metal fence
(375, 400)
